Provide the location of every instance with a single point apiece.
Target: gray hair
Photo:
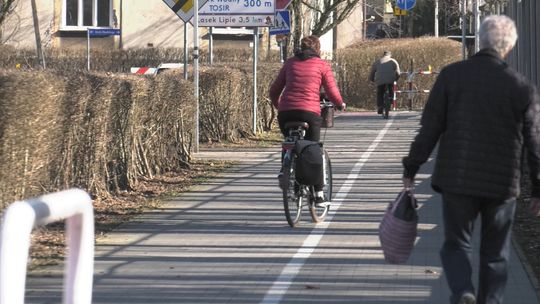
(498, 32)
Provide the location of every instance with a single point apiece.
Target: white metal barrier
(21, 217)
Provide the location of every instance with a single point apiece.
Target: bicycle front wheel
(292, 199)
(318, 214)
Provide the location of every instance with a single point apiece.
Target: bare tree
(494, 6)
(329, 13)
(324, 16)
(6, 7)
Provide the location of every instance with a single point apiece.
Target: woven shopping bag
(398, 228)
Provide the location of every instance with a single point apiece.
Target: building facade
(143, 23)
(63, 24)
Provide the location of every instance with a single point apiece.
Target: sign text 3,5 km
(237, 13)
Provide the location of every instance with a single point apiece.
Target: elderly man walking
(384, 71)
(485, 116)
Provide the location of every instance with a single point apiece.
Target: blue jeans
(459, 214)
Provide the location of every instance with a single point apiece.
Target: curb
(528, 269)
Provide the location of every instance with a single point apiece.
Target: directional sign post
(256, 13)
(405, 4)
(97, 32)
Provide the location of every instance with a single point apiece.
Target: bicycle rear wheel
(292, 199)
(318, 214)
(387, 104)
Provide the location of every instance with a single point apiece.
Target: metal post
(280, 43)
(210, 46)
(436, 18)
(476, 25)
(120, 41)
(39, 50)
(268, 46)
(365, 19)
(88, 49)
(464, 29)
(410, 77)
(196, 69)
(400, 25)
(185, 51)
(255, 53)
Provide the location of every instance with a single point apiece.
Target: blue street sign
(282, 23)
(104, 32)
(405, 4)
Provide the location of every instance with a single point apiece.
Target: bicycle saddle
(296, 124)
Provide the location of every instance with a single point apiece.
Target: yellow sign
(184, 5)
(183, 8)
(400, 12)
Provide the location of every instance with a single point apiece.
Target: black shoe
(321, 203)
(379, 111)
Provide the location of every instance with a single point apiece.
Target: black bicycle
(388, 99)
(296, 196)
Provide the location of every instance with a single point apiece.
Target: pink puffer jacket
(299, 83)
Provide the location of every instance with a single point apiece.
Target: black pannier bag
(309, 162)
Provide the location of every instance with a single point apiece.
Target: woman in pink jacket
(296, 91)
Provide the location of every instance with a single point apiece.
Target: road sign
(405, 4)
(282, 4)
(400, 12)
(282, 23)
(237, 13)
(103, 32)
(183, 8)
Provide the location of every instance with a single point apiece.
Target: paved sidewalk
(227, 241)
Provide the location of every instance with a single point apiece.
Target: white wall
(152, 21)
(18, 28)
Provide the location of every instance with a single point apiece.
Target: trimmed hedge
(100, 132)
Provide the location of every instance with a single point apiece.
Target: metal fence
(526, 55)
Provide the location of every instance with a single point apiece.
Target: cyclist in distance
(384, 72)
(296, 93)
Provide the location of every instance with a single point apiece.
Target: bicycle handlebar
(325, 103)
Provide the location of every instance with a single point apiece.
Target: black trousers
(312, 133)
(459, 215)
(315, 121)
(380, 93)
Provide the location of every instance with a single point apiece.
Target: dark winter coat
(483, 114)
(299, 83)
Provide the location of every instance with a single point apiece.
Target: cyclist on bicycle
(295, 93)
(384, 72)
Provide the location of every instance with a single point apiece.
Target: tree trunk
(297, 24)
